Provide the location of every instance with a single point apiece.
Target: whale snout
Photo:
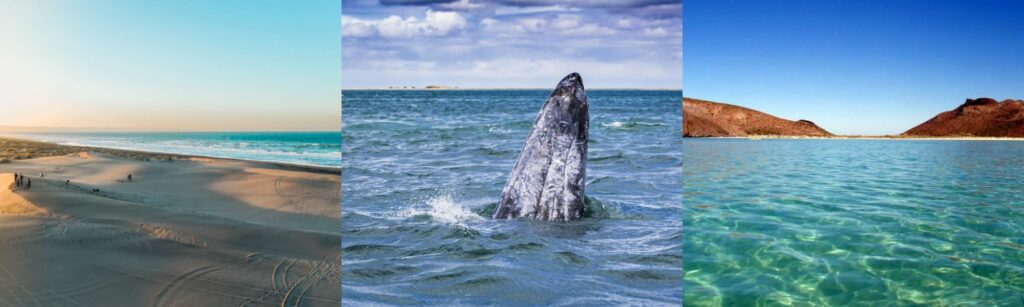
(571, 86)
(576, 77)
(573, 80)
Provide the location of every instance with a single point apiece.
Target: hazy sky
(854, 67)
(512, 43)
(170, 65)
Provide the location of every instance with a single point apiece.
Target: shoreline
(893, 138)
(134, 153)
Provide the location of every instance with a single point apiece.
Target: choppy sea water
(306, 148)
(853, 222)
(423, 171)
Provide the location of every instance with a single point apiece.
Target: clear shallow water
(307, 148)
(424, 169)
(853, 222)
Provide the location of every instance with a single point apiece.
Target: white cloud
(355, 28)
(512, 10)
(633, 23)
(394, 26)
(445, 22)
(561, 24)
(518, 26)
(461, 5)
(590, 29)
(566, 22)
(624, 23)
(494, 26)
(656, 32)
(532, 24)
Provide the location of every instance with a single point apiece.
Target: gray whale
(548, 180)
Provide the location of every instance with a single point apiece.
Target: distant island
(428, 87)
(439, 87)
(982, 117)
(702, 118)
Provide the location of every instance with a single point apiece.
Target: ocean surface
(423, 171)
(853, 222)
(306, 148)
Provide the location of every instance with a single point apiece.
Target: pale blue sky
(512, 43)
(171, 65)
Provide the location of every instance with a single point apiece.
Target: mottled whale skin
(547, 182)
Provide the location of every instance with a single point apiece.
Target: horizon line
(503, 88)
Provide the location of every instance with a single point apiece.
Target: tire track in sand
(171, 289)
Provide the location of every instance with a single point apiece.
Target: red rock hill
(703, 118)
(976, 117)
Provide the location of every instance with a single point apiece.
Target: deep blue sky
(511, 43)
(853, 67)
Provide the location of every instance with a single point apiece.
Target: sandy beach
(186, 231)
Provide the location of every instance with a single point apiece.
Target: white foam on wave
(631, 124)
(445, 209)
(615, 124)
(497, 130)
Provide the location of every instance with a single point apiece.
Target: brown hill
(703, 118)
(976, 117)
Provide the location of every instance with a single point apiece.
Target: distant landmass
(428, 87)
(702, 118)
(976, 117)
(439, 87)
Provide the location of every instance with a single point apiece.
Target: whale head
(547, 182)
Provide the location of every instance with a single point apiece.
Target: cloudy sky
(511, 43)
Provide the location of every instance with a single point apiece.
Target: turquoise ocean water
(853, 222)
(306, 148)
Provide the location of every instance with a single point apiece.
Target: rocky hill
(976, 117)
(703, 118)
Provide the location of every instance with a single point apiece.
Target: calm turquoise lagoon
(853, 222)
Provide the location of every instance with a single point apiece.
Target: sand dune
(184, 232)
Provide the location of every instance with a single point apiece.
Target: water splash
(615, 124)
(443, 208)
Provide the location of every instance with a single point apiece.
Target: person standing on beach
(29, 185)
(67, 183)
(129, 177)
